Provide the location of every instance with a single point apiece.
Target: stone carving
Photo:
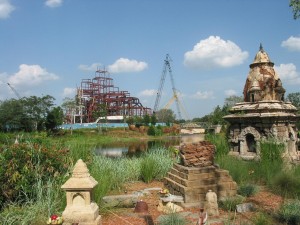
(80, 208)
(211, 203)
(263, 114)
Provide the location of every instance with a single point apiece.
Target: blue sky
(48, 46)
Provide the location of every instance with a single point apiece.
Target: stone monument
(197, 174)
(80, 209)
(264, 114)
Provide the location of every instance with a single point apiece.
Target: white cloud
(148, 92)
(126, 65)
(292, 43)
(230, 92)
(6, 9)
(288, 73)
(69, 92)
(31, 75)
(214, 52)
(53, 3)
(203, 95)
(92, 67)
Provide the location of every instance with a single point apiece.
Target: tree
(146, 119)
(165, 116)
(295, 5)
(36, 109)
(232, 100)
(54, 118)
(294, 98)
(12, 116)
(153, 119)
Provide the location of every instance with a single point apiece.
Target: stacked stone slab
(193, 180)
(199, 154)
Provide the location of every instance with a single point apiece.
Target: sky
(48, 46)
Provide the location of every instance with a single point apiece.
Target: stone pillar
(211, 203)
(80, 208)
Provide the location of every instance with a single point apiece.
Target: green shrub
(23, 164)
(221, 143)
(262, 219)
(289, 212)
(148, 169)
(247, 190)
(173, 219)
(230, 203)
(286, 184)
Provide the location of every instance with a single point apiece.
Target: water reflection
(119, 149)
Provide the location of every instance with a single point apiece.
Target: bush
(247, 190)
(148, 169)
(289, 212)
(173, 219)
(262, 219)
(286, 184)
(230, 203)
(23, 164)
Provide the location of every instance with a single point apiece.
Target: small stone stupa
(264, 114)
(80, 208)
(197, 174)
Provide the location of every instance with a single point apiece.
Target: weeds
(289, 212)
(173, 219)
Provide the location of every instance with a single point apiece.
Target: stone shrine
(264, 114)
(197, 174)
(80, 209)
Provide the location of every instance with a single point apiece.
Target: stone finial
(81, 178)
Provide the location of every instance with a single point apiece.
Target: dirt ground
(264, 200)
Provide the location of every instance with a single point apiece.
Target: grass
(289, 213)
(173, 219)
(48, 201)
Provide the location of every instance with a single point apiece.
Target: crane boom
(16, 93)
(167, 68)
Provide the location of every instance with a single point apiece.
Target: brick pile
(200, 154)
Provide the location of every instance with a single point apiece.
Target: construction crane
(166, 69)
(16, 93)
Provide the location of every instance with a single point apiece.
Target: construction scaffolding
(98, 98)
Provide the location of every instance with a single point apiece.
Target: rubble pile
(200, 154)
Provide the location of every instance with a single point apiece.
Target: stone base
(193, 183)
(83, 215)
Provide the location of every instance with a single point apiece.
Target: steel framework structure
(100, 91)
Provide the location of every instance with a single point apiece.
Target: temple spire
(261, 48)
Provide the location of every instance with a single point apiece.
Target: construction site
(99, 98)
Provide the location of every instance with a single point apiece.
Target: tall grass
(35, 212)
(111, 174)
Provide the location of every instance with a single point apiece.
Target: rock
(245, 207)
(123, 201)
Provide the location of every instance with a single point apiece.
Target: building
(264, 114)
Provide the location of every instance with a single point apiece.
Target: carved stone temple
(264, 114)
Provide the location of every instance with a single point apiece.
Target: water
(131, 149)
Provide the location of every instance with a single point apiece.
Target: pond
(130, 149)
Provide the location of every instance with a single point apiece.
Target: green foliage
(54, 118)
(148, 169)
(173, 219)
(289, 212)
(262, 219)
(165, 116)
(47, 201)
(155, 131)
(22, 164)
(295, 5)
(219, 140)
(28, 113)
(287, 184)
(230, 203)
(247, 190)
(155, 164)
